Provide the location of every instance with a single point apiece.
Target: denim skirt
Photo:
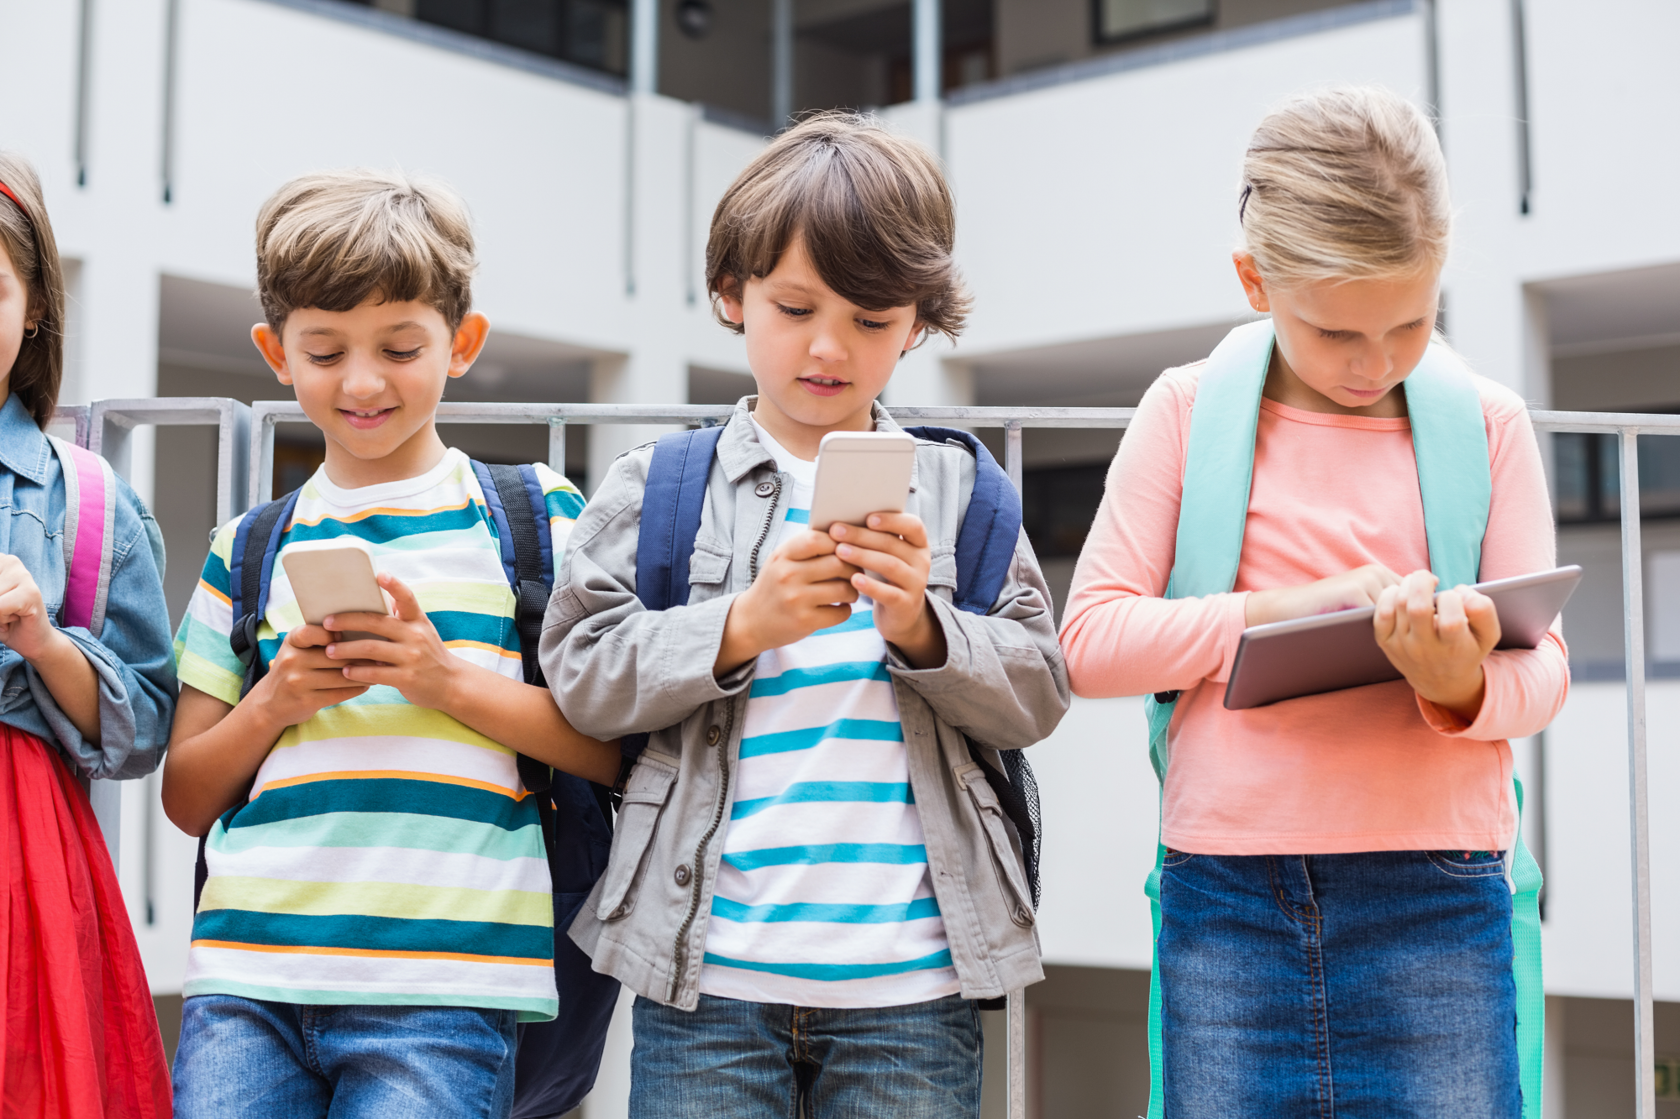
(1351, 986)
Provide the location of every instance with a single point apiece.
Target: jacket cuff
(955, 671)
(116, 717)
(688, 664)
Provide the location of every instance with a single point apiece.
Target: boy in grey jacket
(811, 879)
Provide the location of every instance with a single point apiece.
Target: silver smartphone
(334, 577)
(859, 473)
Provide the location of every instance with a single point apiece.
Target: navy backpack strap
(515, 498)
(256, 541)
(991, 527)
(672, 503)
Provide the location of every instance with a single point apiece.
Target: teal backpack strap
(1212, 514)
(1449, 437)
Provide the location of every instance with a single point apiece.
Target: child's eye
(403, 355)
(793, 312)
(872, 324)
(1413, 325)
(1334, 335)
(325, 359)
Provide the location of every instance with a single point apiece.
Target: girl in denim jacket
(79, 1031)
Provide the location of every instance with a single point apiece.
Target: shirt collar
(739, 449)
(23, 449)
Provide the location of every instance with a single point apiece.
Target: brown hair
(28, 239)
(872, 207)
(1345, 183)
(334, 239)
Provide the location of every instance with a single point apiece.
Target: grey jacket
(617, 669)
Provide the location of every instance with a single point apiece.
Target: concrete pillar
(644, 46)
(926, 49)
(656, 369)
(781, 63)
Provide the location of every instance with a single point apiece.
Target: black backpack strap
(515, 497)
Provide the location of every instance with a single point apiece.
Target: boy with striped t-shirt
(812, 882)
(377, 916)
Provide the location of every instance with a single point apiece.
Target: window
(1058, 504)
(1127, 19)
(1588, 477)
(592, 33)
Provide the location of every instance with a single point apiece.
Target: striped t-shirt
(823, 896)
(388, 854)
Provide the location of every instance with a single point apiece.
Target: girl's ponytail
(28, 239)
(1345, 183)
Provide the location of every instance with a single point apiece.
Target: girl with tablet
(1345, 911)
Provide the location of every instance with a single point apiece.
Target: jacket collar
(23, 449)
(739, 450)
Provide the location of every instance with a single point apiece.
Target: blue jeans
(240, 1057)
(762, 1060)
(1371, 986)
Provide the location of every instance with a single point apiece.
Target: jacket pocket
(645, 795)
(942, 572)
(1006, 860)
(708, 567)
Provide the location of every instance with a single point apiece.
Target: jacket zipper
(680, 950)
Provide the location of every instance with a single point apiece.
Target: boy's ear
(1254, 284)
(917, 335)
(469, 341)
(267, 341)
(729, 294)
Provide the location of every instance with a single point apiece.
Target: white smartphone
(334, 577)
(859, 473)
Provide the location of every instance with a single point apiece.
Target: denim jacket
(616, 668)
(133, 655)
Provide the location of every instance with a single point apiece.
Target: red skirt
(80, 1031)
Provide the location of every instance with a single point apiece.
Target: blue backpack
(557, 1061)
(672, 503)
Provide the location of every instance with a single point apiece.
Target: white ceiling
(1099, 371)
(1634, 309)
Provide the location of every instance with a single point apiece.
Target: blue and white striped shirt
(823, 898)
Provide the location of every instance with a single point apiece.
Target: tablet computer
(1328, 652)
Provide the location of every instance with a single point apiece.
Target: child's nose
(827, 346)
(362, 376)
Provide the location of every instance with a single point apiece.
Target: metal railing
(245, 468)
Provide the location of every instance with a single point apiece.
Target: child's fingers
(1482, 616)
(385, 652)
(304, 637)
(907, 525)
(806, 545)
(385, 625)
(882, 564)
(1386, 619)
(875, 541)
(407, 605)
(1450, 622)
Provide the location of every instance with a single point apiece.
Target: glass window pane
(1569, 467)
(1118, 18)
(1659, 475)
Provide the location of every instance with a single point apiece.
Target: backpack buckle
(243, 638)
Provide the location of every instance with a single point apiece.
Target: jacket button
(618, 913)
(713, 734)
(764, 489)
(682, 875)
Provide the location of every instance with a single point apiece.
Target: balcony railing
(244, 476)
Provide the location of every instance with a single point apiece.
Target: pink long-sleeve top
(1367, 769)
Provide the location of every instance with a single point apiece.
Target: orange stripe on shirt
(383, 511)
(401, 774)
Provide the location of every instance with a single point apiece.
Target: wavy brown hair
(27, 237)
(872, 207)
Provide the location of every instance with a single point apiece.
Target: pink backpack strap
(90, 510)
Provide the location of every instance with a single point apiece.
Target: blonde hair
(337, 238)
(872, 207)
(27, 236)
(1345, 183)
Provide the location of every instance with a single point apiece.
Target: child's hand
(1439, 644)
(802, 588)
(894, 558)
(1360, 587)
(303, 679)
(24, 625)
(412, 659)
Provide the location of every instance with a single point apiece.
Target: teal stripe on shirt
(795, 678)
(860, 619)
(897, 854)
(831, 792)
(787, 741)
(827, 913)
(798, 516)
(834, 973)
